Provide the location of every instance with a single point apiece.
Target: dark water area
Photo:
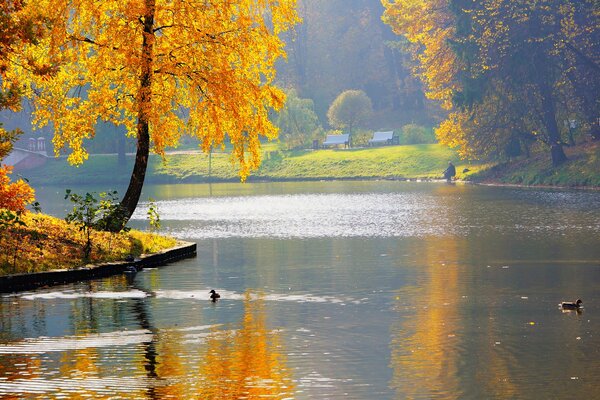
(359, 290)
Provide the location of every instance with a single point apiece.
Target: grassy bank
(46, 243)
(387, 162)
(581, 170)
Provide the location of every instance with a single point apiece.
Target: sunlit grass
(48, 243)
(580, 170)
(415, 161)
(385, 162)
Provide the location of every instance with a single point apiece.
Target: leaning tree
(162, 69)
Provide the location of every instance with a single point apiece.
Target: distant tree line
(343, 45)
(513, 74)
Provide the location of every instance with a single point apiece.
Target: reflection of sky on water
(375, 214)
(300, 216)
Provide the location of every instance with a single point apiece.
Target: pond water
(355, 290)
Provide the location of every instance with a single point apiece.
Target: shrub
(297, 122)
(89, 213)
(416, 134)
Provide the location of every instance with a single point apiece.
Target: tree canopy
(297, 121)
(161, 69)
(15, 30)
(350, 110)
(508, 71)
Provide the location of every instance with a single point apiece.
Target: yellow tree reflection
(423, 359)
(247, 363)
(430, 350)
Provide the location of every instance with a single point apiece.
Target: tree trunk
(134, 191)
(558, 154)
(589, 100)
(556, 147)
(549, 120)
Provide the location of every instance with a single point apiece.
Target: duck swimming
(214, 296)
(569, 305)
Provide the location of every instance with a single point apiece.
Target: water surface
(360, 290)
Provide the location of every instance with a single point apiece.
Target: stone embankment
(20, 282)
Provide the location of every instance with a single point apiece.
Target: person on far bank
(450, 172)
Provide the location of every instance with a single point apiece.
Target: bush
(90, 213)
(360, 138)
(416, 134)
(297, 122)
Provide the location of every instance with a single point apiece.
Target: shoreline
(23, 282)
(183, 250)
(516, 185)
(354, 179)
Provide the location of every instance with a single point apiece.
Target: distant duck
(214, 296)
(569, 305)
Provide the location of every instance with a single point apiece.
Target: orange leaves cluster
(14, 196)
(429, 26)
(212, 71)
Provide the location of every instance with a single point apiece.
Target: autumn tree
(504, 69)
(297, 121)
(14, 196)
(350, 110)
(16, 30)
(161, 69)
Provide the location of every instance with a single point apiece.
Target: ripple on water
(231, 295)
(70, 295)
(57, 344)
(398, 214)
(303, 216)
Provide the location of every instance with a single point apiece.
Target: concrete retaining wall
(20, 282)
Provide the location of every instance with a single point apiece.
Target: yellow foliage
(46, 243)
(210, 66)
(428, 25)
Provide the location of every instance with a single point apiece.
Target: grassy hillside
(400, 162)
(388, 162)
(582, 169)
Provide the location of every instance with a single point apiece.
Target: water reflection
(426, 347)
(382, 290)
(243, 360)
(248, 363)
(473, 326)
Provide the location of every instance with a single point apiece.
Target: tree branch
(588, 61)
(90, 41)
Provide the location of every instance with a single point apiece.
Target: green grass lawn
(400, 162)
(385, 162)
